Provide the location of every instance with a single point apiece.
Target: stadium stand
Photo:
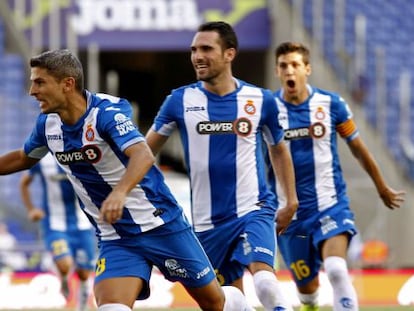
(388, 28)
(16, 120)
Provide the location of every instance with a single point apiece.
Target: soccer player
(324, 223)
(138, 222)
(221, 120)
(66, 231)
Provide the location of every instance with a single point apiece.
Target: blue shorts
(80, 245)
(232, 246)
(173, 248)
(300, 243)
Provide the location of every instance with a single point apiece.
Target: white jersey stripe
(199, 157)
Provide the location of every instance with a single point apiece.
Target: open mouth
(290, 83)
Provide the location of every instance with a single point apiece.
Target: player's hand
(112, 207)
(284, 217)
(36, 214)
(392, 198)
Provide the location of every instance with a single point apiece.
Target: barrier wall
(42, 290)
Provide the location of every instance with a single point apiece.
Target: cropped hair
(291, 47)
(226, 32)
(60, 64)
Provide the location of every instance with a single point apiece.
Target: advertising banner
(139, 24)
(42, 290)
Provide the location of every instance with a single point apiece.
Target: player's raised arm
(391, 198)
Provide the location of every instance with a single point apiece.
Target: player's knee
(211, 302)
(336, 269)
(234, 299)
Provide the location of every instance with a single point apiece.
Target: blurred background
(139, 49)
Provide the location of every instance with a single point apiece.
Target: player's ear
(308, 69)
(230, 54)
(68, 83)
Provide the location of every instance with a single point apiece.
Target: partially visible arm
(391, 198)
(283, 169)
(140, 161)
(155, 141)
(34, 213)
(15, 161)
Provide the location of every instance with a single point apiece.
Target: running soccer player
(221, 120)
(66, 231)
(138, 222)
(324, 223)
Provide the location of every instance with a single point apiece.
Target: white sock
(269, 291)
(309, 299)
(83, 296)
(344, 294)
(235, 300)
(114, 307)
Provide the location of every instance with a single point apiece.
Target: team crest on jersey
(320, 114)
(89, 133)
(250, 108)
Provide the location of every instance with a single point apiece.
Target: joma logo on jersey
(195, 108)
(54, 137)
(241, 127)
(89, 153)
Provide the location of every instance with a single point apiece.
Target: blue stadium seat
(390, 25)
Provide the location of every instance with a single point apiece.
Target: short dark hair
(60, 64)
(226, 32)
(291, 47)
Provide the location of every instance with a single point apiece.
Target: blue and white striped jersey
(91, 154)
(59, 201)
(222, 142)
(311, 130)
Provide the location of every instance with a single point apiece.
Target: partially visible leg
(239, 285)
(308, 295)
(345, 297)
(114, 307)
(117, 291)
(235, 300)
(212, 297)
(64, 266)
(209, 297)
(268, 288)
(84, 289)
(334, 252)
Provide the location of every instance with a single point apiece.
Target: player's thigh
(58, 244)
(83, 245)
(126, 264)
(300, 256)
(180, 258)
(336, 246)
(220, 244)
(260, 235)
(124, 290)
